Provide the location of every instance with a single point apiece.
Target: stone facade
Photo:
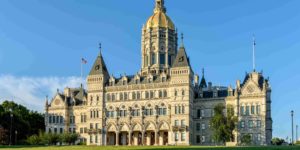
(163, 104)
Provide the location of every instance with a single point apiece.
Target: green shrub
(34, 140)
(277, 141)
(246, 139)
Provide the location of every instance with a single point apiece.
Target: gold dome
(160, 19)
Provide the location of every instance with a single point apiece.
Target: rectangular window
(258, 110)
(252, 110)
(96, 139)
(258, 124)
(242, 124)
(247, 110)
(176, 123)
(61, 130)
(198, 113)
(85, 130)
(91, 139)
(182, 136)
(250, 124)
(176, 110)
(198, 139)
(81, 130)
(176, 136)
(202, 113)
(242, 110)
(96, 126)
(197, 126)
(258, 137)
(169, 60)
(182, 122)
(162, 59)
(50, 119)
(55, 130)
(91, 126)
(153, 59)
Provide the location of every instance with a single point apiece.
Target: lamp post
(296, 133)
(292, 117)
(10, 134)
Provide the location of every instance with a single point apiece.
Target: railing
(94, 131)
(180, 128)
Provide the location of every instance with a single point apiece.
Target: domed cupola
(159, 18)
(159, 42)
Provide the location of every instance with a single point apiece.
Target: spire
(203, 81)
(181, 59)
(253, 53)
(182, 43)
(46, 101)
(99, 66)
(160, 6)
(100, 49)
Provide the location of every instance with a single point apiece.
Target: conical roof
(99, 66)
(181, 59)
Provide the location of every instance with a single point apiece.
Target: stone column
(155, 137)
(117, 138)
(148, 142)
(129, 138)
(135, 139)
(161, 138)
(143, 137)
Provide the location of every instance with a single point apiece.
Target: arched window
(121, 96)
(125, 96)
(138, 95)
(133, 95)
(165, 93)
(108, 97)
(160, 94)
(113, 97)
(147, 95)
(151, 94)
(162, 110)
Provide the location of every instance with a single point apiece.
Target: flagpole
(253, 53)
(81, 69)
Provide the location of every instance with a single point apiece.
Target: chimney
(209, 86)
(196, 80)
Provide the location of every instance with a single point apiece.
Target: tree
(34, 140)
(22, 119)
(246, 139)
(222, 125)
(277, 141)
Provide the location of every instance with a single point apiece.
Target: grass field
(147, 148)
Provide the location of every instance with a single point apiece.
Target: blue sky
(42, 42)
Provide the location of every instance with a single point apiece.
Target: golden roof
(160, 19)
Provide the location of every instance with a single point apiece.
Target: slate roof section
(143, 80)
(99, 67)
(181, 59)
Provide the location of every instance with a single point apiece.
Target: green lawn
(147, 148)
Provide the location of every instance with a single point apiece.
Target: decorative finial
(100, 48)
(182, 45)
(159, 6)
(253, 52)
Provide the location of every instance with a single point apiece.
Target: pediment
(250, 87)
(57, 101)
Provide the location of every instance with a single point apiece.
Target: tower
(96, 81)
(159, 42)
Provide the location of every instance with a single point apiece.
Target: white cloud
(31, 91)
